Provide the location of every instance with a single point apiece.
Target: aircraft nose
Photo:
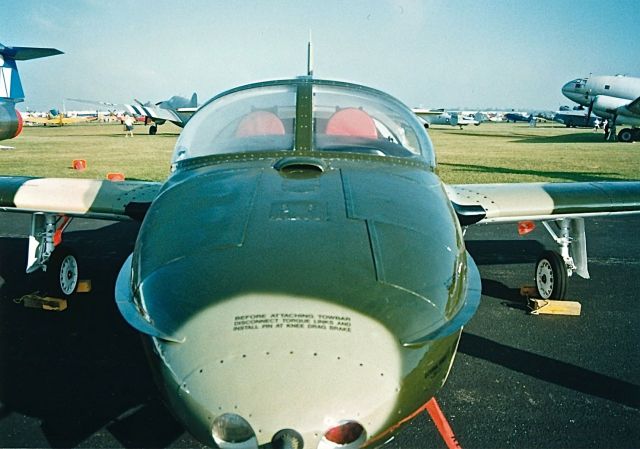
(568, 88)
(279, 363)
(571, 91)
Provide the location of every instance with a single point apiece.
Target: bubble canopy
(305, 115)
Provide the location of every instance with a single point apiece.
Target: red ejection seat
(260, 123)
(352, 122)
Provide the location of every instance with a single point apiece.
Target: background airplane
(318, 248)
(616, 98)
(177, 110)
(57, 118)
(442, 117)
(11, 91)
(575, 118)
(517, 116)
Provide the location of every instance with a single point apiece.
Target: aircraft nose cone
(281, 362)
(570, 91)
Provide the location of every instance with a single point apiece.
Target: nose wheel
(551, 276)
(62, 273)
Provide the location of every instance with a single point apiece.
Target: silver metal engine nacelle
(10, 121)
(608, 104)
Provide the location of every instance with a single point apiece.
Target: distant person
(597, 123)
(607, 130)
(128, 125)
(613, 131)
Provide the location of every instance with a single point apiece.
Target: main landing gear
(553, 268)
(629, 135)
(153, 129)
(46, 253)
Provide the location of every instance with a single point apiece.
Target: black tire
(62, 273)
(551, 276)
(153, 129)
(626, 135)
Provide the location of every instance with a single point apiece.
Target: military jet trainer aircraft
(11, 88)
(301, 278)
(616, 98)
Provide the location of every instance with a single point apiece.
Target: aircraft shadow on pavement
(551, 370)
(84, 368)
(504, 252)
(559, 175)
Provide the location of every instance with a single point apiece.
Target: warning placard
(311, 321)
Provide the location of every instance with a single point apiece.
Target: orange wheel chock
(115, 176)
(79, 164)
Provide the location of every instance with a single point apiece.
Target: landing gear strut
(553, 268)
(46, 253)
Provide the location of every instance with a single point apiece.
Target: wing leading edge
(545, 201)
(78, 197)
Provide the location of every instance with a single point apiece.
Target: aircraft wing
(32, 119)
(153, 112)
(68, 120)
(491, 203)
(88, 198)
(427, 112)
(58, 120)
(634, 106)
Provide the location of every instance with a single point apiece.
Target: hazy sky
(493, 53)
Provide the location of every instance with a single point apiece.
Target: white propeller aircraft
(616, 98)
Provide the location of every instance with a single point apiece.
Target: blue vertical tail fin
(10, 85)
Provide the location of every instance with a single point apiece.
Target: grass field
(491, 152)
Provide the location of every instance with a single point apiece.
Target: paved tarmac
(79, 378)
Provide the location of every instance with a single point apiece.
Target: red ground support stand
(441, 423)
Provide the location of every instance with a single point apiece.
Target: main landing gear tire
(628, 135)
(153, 129)
(551, 276)
(62, 273)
